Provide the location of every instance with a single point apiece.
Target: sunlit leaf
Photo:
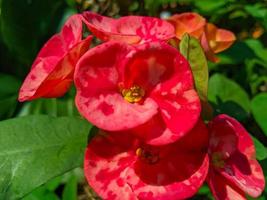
(193, 52)
(35, 149)
(228, 97)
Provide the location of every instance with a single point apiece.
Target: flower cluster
(139, 91)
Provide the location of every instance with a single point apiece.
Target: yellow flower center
(134, 94)
(217, 160)
(148, 156)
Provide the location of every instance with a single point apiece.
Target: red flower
(234, 170)
(120, 166)
(121, 87)
(129, 29)
(52, 71)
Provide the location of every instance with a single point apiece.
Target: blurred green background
(237, 86)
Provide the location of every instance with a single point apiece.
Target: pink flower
(129, 29)
(52, 71)
(119, 166)
(234, 170)
(121, 87)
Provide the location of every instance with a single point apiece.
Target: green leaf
(261, 151)
(70, 190)
(9, 87)
(51, 106)
(257, 47)
(239, 52)
(228, 97)
(210, 6)
(259, 108)
(35, 149)
(193, 52)
(41, 194)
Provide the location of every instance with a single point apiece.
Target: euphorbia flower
(188, 22)
(213, 39)
(121, 87)
(129, 29)
(52, 71)
(234, 170)
(119, 166)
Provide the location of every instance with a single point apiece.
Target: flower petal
(98, 97)
(53, 68)
(223, 137)
(155, 132)
(153, 63)
(174, 177)
(104, 28)
(219, 39)
(204, 40)
(147, 28)
(242, 168)
(107, 158)
(221, 189)
(180, 113)
(188, 22)
(130, 29)
(180, 171)
(196, 139)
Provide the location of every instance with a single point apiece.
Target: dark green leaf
(9, 87)
(24, 23)
(259, 108)
(41, 194)
(35, 149)
(239, 52)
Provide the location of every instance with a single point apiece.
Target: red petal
(153, 63)
(155, 132)
(53, 68)
(242, 167)
(180, 113)
(114, 170)
(178, 176)
(130, 29)
(98, 97)
(106, 161)
(180, 171)
(196, 139)
(223, 137)
(166, 77)
(221, 189)
(147, 28)
(178, 101)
